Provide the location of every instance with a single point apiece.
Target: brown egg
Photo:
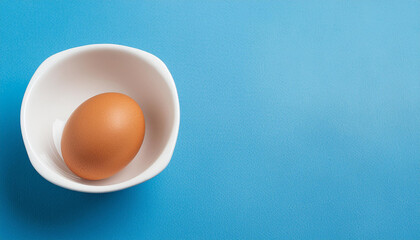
(102, 135)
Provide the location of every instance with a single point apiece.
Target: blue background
(299, 119)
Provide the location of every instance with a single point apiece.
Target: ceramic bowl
(65, 80)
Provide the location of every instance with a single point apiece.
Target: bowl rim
(162, 160)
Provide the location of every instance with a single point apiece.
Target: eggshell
(102, 136)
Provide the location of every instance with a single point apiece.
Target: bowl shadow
(37, 201)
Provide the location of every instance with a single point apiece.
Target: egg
(102, 136)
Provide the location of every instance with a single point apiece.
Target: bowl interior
(69, 78)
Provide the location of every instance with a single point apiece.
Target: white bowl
(68, 78)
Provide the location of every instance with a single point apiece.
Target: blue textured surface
(298, 120)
